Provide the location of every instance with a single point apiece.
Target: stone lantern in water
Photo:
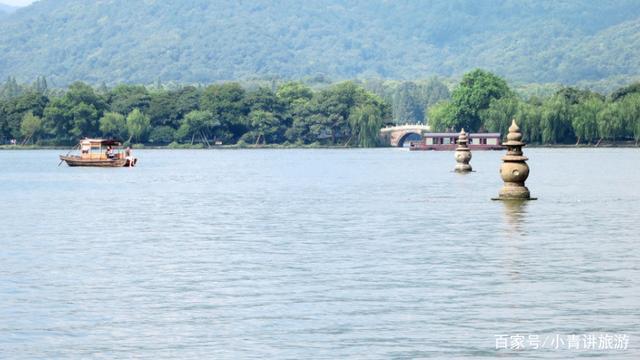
(463, 154)
(514, 170)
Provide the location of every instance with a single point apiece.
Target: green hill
(202, 41)
(6, 9)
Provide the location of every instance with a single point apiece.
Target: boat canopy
(485, 135)
(105, 142)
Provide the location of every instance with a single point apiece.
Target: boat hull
(452, 147)
(77, 161)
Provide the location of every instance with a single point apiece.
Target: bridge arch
(397, 135)
(406, 135)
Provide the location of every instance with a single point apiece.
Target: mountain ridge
(201, 41)
(7, 9)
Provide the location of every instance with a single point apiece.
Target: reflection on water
(379, 253)
(515, 212)
(515, 229)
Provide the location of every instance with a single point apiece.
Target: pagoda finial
(514, 132)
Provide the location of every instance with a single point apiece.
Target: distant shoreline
(280, 146)
(586, 146)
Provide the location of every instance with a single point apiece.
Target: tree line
(483, 101)
(348, 113)
(291, 113)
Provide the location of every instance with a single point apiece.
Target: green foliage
(620, 118)
(407, 106)
(609, 121)
(124, 98)
(442, 116)
(176, 145)
(410, 100)
(574, 96)
(569, 115)
(30, 127)
(473, 95)
(585, 119)
(200, 41)
(76, 114)
(80, 93)
(40, 86)
(10, 89)
(631, 111)
(198, 123)
(343, 114)
(169, 107)
(226, 102)
(471, 100)
(497, 117)
(556, 120)
(626, 90)
(294, 93)
(85, 120)
(162, 135)
(326, 117)
(137, 125)
(530, 121)
(365, 122)
(113, 125)
(57, 120)
(13, 110)
(267, 127)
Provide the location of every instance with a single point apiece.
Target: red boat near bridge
(447, 141)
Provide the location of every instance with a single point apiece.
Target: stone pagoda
(463, 154)
(514, 170)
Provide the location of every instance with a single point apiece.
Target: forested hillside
(201, 41)
(6, 9)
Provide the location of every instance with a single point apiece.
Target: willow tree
(585, 119)
(137, 124)
(497, 117)
(529, 118)
(31, 125)
(630, 110)
(611, 124)
(365, 122)
(556, 120)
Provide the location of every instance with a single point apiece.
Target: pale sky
(17, 2)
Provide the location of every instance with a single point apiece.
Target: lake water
(327, 254)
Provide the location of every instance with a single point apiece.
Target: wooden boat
(447, 141)
(100, 153)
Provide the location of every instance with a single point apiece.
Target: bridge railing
(407, 126)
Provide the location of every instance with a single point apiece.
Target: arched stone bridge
(396, 135)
